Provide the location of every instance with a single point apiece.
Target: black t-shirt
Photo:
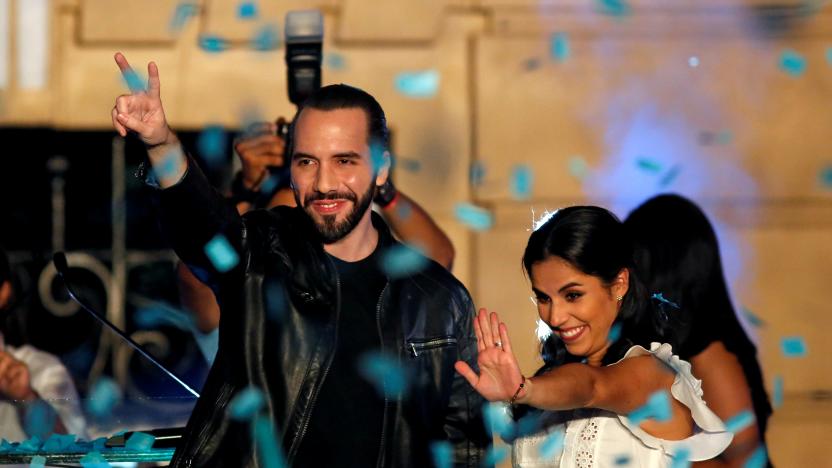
(346, 422)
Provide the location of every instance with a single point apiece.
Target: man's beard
(330, 230)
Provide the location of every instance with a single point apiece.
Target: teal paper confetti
(826, 177)
(270, 184)
(648, 165)
(777, 397)
(168, 167)
(660, 297)
(134, 81)
(267, 441)
(93, 460)
(495, 455)
(740, 421)
(181, 15)
(213, 44)
(103, 397)
(140, 442)
(497, 419)
(418, 85)
(758, 459)
(793, 347)
(246, 404)
(442, 453)
(522, 181)
(616, 8)
(378, 156)
(401, 261)
(58, 442)
(578, 167)
(247, 11)
(31, 444)
(476, 218)
(552, 445)
(753, 319)
(622, 460)
(384, 372)
(615, 332)
(657, 407)
(266, 38)
(211, 145)
(335, 61)
(792, 63)
(39, 419)
(152, 317)
(829, 55)
(671, 176)
(477, 173)
(681, 459)
(559, 48)
(38, 461)
(221, 254)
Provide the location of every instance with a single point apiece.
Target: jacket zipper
(415, 347)
(386, 401)
(308, 414)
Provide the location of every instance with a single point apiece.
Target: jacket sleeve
(464, 424)
(196, 219)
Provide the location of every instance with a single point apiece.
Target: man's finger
(132, 123)
(465, 370)
(154, 86)
(119, 127)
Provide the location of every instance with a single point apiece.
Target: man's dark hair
(341, 96)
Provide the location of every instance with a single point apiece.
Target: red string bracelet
(517, 393)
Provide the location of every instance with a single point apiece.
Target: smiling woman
(599, 398)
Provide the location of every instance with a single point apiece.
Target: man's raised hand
(141, 111)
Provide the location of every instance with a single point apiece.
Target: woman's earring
(619, 298)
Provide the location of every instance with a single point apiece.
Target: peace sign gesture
(141, 110)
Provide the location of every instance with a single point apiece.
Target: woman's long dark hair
(677, 253)
(594, 241)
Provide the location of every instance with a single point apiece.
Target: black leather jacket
(425, 320)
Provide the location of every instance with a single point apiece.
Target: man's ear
(383, 169)
(5, 293)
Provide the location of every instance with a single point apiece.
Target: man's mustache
(330, 196)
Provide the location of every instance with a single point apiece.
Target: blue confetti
(103, 397)
(829, 55)
(443, 454)
(826, 177)
(152, 317)
(38, 461)
(752, 318)
(477, 173)
(411, 165)
(267, 441)
(660, 297)
(134, 81)
(552, 445)
(559, 47)
(578, 167)
(495, 455)
(277, 303)
(404, 210)
(793, 346)
(622, 460)
(58, 442)
(246, 404)
(247, 11)
(335, 61)
(39, 419)
(403, 260)
(93, 460)
(140, 442)
(497, 419)
(169, 166)
(418, 85)
(681, 459)
(532, 64)
(792, 63)
(378, 156)
(777, 397)
(181, 15)
(384, 372)
(657, 407)
(615, 332)
(211, 145)
(522, 180)
(266, 38)
(221, 254)
(758, 459)
(213, 44)
(270, 184)
(670, 176)
(476, 218)
(740, 421)
(648, 165)
(613, 7)
(31, 444)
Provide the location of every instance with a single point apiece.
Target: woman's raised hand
(500, 375)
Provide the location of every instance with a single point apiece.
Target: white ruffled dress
(597, 438)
